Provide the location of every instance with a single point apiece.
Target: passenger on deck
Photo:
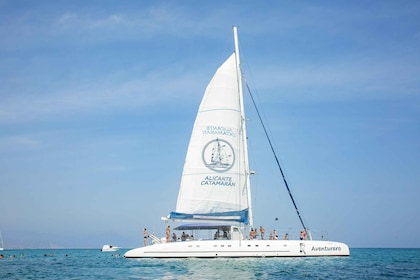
(217, 235)
(168, 233)
(254, 233)
(262, 231)
(303, 234)
(173, 237)
(146, 235)
(183, 236)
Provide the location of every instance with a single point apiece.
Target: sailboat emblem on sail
(218, 155)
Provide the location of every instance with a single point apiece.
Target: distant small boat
(109, 248)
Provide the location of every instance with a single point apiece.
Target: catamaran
(214, 195)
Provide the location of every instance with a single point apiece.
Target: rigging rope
(275, 156)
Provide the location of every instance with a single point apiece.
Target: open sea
(93, 264)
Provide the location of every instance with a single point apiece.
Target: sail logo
(219, 130)
(218, 155)
(218, 181)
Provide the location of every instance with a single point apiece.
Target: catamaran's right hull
(240, 249)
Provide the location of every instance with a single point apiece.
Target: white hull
(242, 248)
(109, 248)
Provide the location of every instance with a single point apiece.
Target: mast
(243, 126)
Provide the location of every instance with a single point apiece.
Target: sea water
(93, 264)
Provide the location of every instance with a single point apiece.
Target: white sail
(215, 184)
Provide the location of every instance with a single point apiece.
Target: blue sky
(98, 98)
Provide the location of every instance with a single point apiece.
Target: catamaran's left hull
(240, 249)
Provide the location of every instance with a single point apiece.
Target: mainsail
(215, 179)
